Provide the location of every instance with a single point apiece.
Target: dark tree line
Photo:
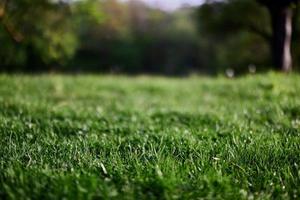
(275, 22)
(281, 14)
(131, 37)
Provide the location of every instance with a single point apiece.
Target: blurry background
(169, 37)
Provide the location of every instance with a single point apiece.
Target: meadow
(119, 137)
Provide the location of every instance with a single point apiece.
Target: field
(118, 137)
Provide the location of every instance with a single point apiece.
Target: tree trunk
(282, 36)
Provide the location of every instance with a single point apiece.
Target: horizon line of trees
(131, 37)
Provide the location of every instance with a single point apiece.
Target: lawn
(118, 137)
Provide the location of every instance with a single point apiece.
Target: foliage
(234, 31)
(37, 33)
(97, 35)
(87, 137)
(131, 37)
(135, 38)
(238, 33)
(23, 28)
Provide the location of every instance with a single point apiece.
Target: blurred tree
(135, 38)
(232, 33)
(281, 13)
(275, 25)
(35, 33)
(39, 33)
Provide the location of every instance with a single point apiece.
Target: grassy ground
(101, 137)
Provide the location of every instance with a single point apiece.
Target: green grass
(109, 137)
